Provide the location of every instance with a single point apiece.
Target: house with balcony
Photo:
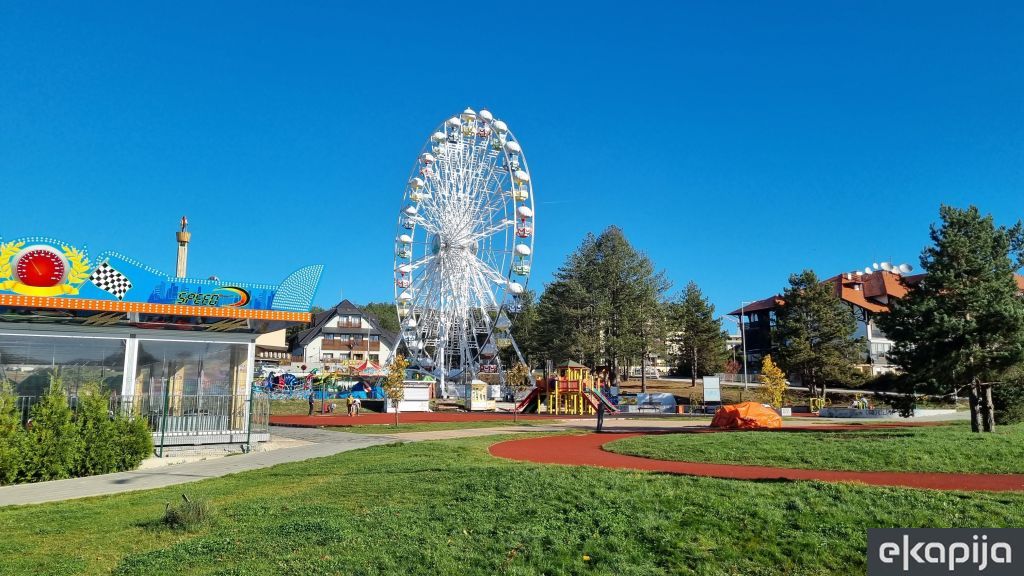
(342, 336)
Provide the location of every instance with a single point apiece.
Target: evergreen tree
(12, 436)
(603, 306)
(97, 431)
(524, 332)
(566, 324)
(385, 314)
(54, 446)
(813, 334)
(134, 441)
(696, 334)
(962, 326)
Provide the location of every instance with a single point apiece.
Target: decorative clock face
(40, 266)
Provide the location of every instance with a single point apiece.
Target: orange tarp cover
(748, 415)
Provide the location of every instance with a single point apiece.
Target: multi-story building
(272, 349)
(342, 336)
(868, 295)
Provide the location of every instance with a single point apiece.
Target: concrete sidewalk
(324, 444)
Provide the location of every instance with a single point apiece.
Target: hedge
(58, 442)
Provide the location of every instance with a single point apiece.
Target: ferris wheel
(463, 247)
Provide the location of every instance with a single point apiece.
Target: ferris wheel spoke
(493, 229)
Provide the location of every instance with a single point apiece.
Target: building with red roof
(868, 294)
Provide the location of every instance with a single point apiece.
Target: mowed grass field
(946, 448)
(451, 508)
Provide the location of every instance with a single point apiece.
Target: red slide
(530, 403)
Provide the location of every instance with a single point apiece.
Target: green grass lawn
(948, 448)
(450, 508)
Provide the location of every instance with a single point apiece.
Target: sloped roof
(873, 292)
(344, 307)
(769, 303)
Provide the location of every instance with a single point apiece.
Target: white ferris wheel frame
(464, 246)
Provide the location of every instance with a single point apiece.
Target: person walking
(310, 402)
(350, 403)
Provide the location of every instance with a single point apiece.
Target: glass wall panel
(29, 362)
(191, 368)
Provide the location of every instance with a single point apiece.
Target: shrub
(189, 515)
(12, 436)
(54, 444)
(97, 431)
(773, 383)
(134, 442)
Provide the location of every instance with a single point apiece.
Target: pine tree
(524, 331)
(97, 431)
(962, 326)
(12, 436)
(813, 334)
(385, 315)
(54, 445)
(134, 441)
(773, 383)
(696, 334)
(604, 305)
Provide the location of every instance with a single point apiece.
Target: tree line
(609, 305)
(959, 329)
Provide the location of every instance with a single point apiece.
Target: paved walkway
(323, 443)
(586, 450)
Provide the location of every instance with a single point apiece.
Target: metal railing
(172, 416)
(752, 378)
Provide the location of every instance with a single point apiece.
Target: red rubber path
(586, 450)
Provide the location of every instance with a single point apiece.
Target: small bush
(60, 442)
(134, 442)
(54, 444)
(189, 515)
(97, 431)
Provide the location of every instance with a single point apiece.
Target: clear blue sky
(734, 142)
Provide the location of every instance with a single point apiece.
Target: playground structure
(572, 390)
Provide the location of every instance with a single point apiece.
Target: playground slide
(530, 403)
(594, 396)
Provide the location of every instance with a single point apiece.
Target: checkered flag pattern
(106, 278)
